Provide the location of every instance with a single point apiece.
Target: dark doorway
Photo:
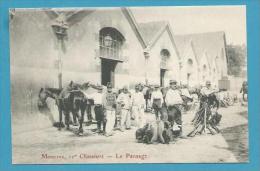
(162, 75)
(108, 71)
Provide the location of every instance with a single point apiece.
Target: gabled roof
(213, 43)
(183, 45)
(152, 31)
(73, 16)
(130, 17)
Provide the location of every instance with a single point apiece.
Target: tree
(237, 58)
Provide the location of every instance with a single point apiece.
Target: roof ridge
(201, 33)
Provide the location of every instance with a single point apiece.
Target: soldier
(157, 100)
(124, 101)
(98, 108)
(205, 91)
(174, 101)
(138, 103)
(109, 103)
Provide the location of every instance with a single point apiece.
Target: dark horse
(244, 90)
(72, 104)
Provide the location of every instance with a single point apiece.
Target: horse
(66, 105)
(243, 90)
(81, 103)
(76, 102)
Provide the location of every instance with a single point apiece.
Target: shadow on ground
(237, 140)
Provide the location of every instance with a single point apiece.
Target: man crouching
(155, 132)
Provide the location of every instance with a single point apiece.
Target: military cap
(208, 82)
(173, 81)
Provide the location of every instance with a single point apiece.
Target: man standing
(98, 108)
(109, 103)
(157, 100)
(174, 101)
(207, 90)
(138, 103)
(125, 102)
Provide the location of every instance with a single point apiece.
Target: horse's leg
(81, 119)
(75, 115)
(67, 118)
(89, 113)
(60, 118)
(59, 104)
(146, 104)
(75, 112)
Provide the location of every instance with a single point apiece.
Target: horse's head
(46, 93)
(42, 97)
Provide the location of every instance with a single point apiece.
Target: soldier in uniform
(109, 103)
(174, 101)
(124, 101)
(157, 100)
(138, 103)
(98, 108)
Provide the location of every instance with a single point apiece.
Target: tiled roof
(211, 43)
(150, 29)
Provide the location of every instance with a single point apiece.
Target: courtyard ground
(38, 142)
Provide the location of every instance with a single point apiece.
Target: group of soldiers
(168, 107)
(117, 110)
(125, 108)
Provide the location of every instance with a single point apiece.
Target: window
(189, 66)
(165, 55)
(110, 43)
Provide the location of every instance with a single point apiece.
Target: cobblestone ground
(38, 142)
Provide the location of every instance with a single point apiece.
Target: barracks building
(103, 45)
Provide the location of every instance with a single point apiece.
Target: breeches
(99, 114)
(174, 115)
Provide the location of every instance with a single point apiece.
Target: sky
(199, 19)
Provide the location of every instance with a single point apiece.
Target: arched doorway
(165, 55)
(110, 50)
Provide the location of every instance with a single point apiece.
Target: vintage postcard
(165, 84)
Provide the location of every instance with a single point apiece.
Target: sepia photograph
(165, 84)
